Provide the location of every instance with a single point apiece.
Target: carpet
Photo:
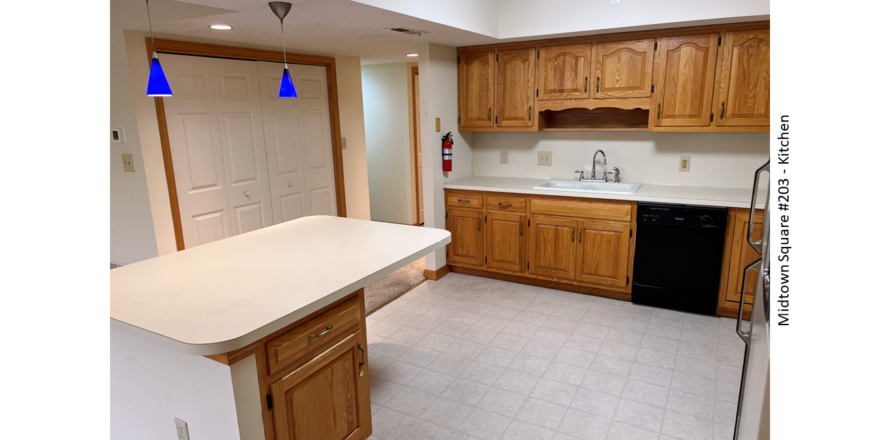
(395, 284)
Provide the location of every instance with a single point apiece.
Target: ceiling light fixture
(157, 85)
(287, 89)
(412, 54)
(221, 27)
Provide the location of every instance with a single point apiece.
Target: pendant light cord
(150, 20)
(283, 47)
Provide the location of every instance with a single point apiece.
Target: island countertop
(225, 295)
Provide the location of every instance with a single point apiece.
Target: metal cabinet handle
(658, 112)
(530, 113)
(756, 245)
(722, 110)
(505, 204)
(463, 201)
(363, 359)
(572, 234)
(479, 225)
(323, 333)
(580, 235)
(597, 84)
(520, 229)
(490, 114)
(586, 80)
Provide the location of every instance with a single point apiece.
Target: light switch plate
(344, 144)
(504, 157)
(182, 430)
(127, 163)
(545, 158)
(437, 124)
(684, 163)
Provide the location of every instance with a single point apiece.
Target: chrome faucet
(616, 173)
(604, 162)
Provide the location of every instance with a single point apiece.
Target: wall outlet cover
(504, 157)
(127, 163)
(118, 135)
(545, 158)
(182, 430)
(684, 163)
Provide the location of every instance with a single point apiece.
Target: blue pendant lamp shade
(287, 89)
(158, 85)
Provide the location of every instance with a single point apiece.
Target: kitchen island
(279, 314)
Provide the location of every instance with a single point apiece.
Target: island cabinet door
(685, 80)
(327, 398)
(466, 228)
(505, 236)
(552, 247)
(603, 252)
(742, 96)
(623, 69)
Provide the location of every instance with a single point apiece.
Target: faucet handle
(581, 177)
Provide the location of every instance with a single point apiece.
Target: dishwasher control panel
(682, 215)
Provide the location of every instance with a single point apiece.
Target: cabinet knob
(290, 184)
(247, 194)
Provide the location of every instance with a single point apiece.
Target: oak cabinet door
(563, 72)
(685, 81)
(326, 398)
(623, 69)
(603, 252)
(741, 255)
(743, 84)
(504, 241)
(476, 88)
(552, 247)
(516, 88)
(466, 228)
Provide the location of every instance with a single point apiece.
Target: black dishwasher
(679, 249)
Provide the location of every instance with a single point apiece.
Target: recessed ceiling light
(412, 54)
(221, 27)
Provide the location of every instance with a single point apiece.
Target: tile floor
(474, 358)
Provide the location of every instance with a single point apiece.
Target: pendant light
(157, 84)
(287, 90)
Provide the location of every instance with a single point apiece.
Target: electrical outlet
(684, 163)
(545, 158)
(344, 144)
(127, 163)
(437, 125)
(182, 430)
(504, 157)
(118, 135)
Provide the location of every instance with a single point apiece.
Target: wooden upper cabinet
(515, 88)
(505, 241)
(742, 97)
(685, 81)
(476, 88)
(603, 252)
(552, 247)
(327, 397)
(623, 69)
(741, 255)
(563, 72)
(466, 228)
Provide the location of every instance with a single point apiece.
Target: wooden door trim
(415, 148)
(217, 51)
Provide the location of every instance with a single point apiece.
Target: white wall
(386, 116)
(351, 127)
(438, 76)
(724, 160)
(151, 385)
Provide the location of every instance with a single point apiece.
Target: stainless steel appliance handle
(756, 245)
(746, 336)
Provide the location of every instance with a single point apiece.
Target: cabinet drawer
(460, 200)
(583, 208)
(304, 341)
(506, 203)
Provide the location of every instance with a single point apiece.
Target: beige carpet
(395, 284)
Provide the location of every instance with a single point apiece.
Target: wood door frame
(229, 52)
(416, 183)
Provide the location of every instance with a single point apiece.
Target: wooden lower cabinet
(325, 399)
(738, 254)
(586, 244)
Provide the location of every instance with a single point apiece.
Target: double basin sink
(596, 187)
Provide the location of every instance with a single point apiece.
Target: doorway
(418, 196)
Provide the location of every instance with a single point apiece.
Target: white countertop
(225, 295)
(692, 195)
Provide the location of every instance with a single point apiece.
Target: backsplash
(724, 160)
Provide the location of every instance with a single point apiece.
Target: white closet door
(298, 142)
(194, 134)
(241, 135)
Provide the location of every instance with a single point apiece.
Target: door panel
(196, 150)
(241, 134)
(741, 255)
(685, 80)
(476, 89)
(505, 240)
(564, 72)
(326, 398)
(743, 96)
(603, 252)
(623, 69)
(467, 237)
(298, 142)
(552, 247)
(516, 85)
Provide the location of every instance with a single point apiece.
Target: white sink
(600, 187)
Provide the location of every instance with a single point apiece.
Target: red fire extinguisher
(447, 152)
